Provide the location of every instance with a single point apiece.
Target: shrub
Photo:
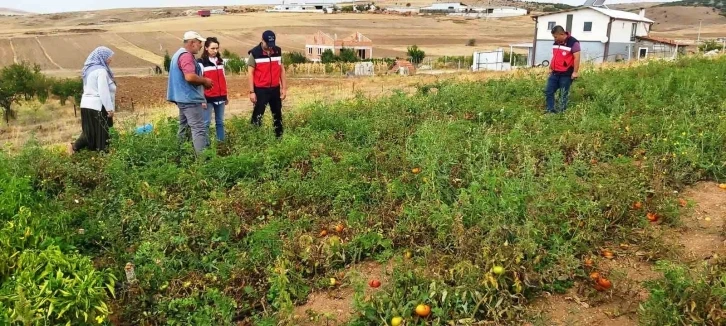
(710, 45)
(347, 55)
(417, 55)
(328, 56)
(50, 286)
(19, 82)
(65, 88)
(294, 58)
(234, 63)
(167, 61)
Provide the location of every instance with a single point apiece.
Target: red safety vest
(268, 67)
(563, 60)
(215, 72)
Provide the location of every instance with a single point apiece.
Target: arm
(577, 62)
(283, 83)
(104, 92)
(194, 79)
(187, 66)
(251, 81)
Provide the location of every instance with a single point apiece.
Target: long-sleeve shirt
(99, 92)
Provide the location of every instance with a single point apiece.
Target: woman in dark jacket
(213, 68)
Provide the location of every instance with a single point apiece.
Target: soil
(701, 237)
(335, 307)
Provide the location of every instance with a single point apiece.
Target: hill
(13, 12)
(717, 6)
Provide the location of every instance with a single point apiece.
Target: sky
(53, 6)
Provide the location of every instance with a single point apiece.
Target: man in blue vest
(565, 67)
(185, 90)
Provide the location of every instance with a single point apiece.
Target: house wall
(589, 51)
(317, 51)
(655, 49)
(599, 25)
(621, 31)
(592, 43)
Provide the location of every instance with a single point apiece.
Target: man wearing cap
(565, 67)
(267, 80)
(185, 90)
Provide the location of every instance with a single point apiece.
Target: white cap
(192, 35)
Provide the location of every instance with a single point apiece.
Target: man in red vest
(565, 67)
(267, 80)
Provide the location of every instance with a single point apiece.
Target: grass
(236, 234)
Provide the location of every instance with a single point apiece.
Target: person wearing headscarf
(98, 101)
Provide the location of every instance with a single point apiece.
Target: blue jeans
(218, 118)
(554, 83)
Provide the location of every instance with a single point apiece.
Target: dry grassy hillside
(142, 44)
(141, 37)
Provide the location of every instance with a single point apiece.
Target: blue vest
(179, 90)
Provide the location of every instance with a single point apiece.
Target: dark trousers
(269, 96)
(95, 126)
(561, 82)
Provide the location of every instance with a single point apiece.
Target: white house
(445, 8)
(314, 6)
(604, 34)
(492, 12)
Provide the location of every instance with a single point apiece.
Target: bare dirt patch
(701, 237)
(335, 306)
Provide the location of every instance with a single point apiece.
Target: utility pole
(700, 23)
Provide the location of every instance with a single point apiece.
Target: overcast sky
(50, 6)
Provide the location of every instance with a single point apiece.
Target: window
(632, 32)
(587, 27)
(642, 53)
(310, 50)
(551, 25)
(362, 53)
(320, 51)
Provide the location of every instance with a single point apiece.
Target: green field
(236, 234)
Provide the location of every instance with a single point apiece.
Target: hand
(575, 75)
(109, 114)
(208, 83)
(204, 105)
(226, 102)
(283, 94)
(253, 97)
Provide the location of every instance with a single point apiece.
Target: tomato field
(478, 201)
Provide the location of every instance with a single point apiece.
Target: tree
(167, 61)
(328, 56)
(294, 58)
(417, 55)
(17, 82)
(347, 55)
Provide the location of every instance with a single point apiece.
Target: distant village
(606, 35)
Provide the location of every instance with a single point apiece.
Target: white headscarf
(97, 60)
